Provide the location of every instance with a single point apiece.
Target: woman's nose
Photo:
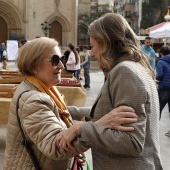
(60, 65)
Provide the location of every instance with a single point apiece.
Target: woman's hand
(117, 117)
(64, 141)
(114, 120)
(80, 161)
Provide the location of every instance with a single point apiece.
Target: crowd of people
(121, 128)
(76, 58)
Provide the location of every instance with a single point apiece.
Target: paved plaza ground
(97, 80)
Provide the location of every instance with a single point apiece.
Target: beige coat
(42, 125)
(128, 84)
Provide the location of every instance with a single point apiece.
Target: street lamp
(46, 27)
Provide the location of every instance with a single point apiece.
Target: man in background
(163, 74)
(86, 67)
(146, 47)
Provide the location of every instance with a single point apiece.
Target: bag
(25, 143)
(76, 165)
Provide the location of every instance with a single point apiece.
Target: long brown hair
(72, 48)
(118, 42)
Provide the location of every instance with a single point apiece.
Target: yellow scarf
(55, 95)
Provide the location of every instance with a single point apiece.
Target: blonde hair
(118, 42)
(32, 54)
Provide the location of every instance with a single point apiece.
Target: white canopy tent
(162, 30)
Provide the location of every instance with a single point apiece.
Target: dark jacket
(163, 72)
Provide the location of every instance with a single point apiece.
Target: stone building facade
(23, 19)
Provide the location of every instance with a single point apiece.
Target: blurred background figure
(4, 56)
(21, 42)
(78, 69)
(66, 53)
(163, 77)
(4, 60)
(72, 59)
(81, 54)
(2, 53)
(146, 47)
(86, 67)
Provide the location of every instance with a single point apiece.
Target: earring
(35, 72)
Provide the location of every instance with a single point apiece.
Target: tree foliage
(84, 20)
(153, 12)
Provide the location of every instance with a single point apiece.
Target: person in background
(3, 51)
(82, 55)
(78, 69)
(86, 67)
(73, 59)
(159, 55)
(131, 82)
(43, 113)
(4, 57)
(163, 77)
(146, 47)
(66, 55)
(21, 42)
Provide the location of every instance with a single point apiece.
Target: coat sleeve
(125, 88)
(159, 70)
(42, 125)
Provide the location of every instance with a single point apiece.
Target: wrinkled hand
(117, 117)
(64, 141)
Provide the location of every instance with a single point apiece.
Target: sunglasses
(55, 59)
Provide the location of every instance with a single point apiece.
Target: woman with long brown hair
(72, 59)
(130, 82)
